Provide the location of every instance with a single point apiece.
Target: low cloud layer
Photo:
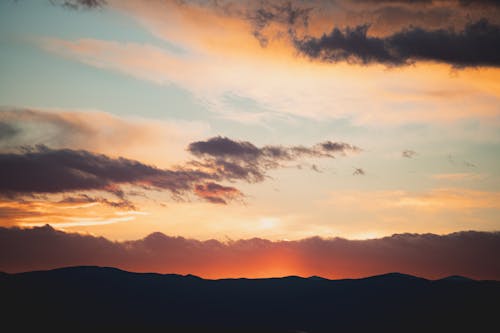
(472, 254)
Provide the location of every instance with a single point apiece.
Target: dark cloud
(243, 160)
(286, 13)
(79, 4)
(222, 147)
(394, 1)
(472, 254)
(338, 147)
(216, 193)
(44, 170)
(479, 2)
(225, 147)
(408, 153)
(358, 172)
(427, 2)
(462, 33)
(476, 45)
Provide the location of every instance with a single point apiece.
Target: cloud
(300, 87)
(243, 150)
(87, 199)
(80, 4)
(215, 193)
(358, 172)
(463, 176)
(243, 160)
(476, 45)
(266, 13)
(66, 211)
(408, 153)
(7, 131)
(472, 254)
(42, 170)
(406, 31)
(134, 137)
(417, 2)
(460, 200)
(45, 170)
(314, 167)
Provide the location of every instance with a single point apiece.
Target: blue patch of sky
(41, 19)
(35, 78)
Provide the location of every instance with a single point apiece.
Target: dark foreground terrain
(96, 297)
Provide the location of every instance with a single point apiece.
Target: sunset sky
(228, 120)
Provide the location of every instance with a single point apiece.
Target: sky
(251, 121)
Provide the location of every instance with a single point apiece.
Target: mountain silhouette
(98, 297)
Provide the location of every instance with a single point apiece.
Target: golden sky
(238, 119)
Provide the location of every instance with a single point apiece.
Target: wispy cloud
(438, 199)
(460, 176)
(358, 172)
(243, 160)
(408, 153)
(135, 137)
(300, 87)
(65, 213)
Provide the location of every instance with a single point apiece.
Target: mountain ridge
(92, 296)
(390, 275)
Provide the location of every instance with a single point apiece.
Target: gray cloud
(79, 4)
(44, 170)
(358, 172)
(37, 169)
(408, 153)
(476, 45)
(243, 160)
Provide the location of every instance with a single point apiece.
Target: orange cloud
(63, 213)
(455, 199)
(461, 176)
(294, 86)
